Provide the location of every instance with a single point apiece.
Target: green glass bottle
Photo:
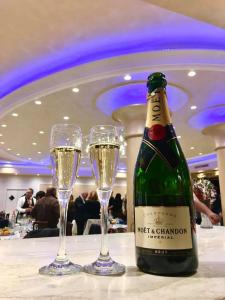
(164, 211)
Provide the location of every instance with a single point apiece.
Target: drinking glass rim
(59, 126)
(65, 125)
(102, 127)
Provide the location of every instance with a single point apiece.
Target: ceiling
(49, 47)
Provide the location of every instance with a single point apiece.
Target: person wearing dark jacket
(71, 210)
(93, 206)
(115, 205)
(80, 212)
(47, 209)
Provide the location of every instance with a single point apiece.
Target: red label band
(157, 132)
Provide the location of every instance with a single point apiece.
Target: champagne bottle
(164, 211)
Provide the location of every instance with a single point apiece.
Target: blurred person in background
(116, 208)
(4, 222)
(203, 208)
(47, 209)
(71, 209)
(217, 206)
(80, 212)
(39, 195)
(26, 203)
(93, 206)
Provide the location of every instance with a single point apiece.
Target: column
(133, 119)
(217, 132)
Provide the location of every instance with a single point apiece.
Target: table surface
(21, 259)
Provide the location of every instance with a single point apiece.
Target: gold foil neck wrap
(157, 108)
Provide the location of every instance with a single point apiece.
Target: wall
(22, 182)
(19, 182)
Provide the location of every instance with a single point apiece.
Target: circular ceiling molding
(208, 117)
(116, 66)
(135, 93)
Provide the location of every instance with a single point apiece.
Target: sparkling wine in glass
(104, 155)
(65, 150)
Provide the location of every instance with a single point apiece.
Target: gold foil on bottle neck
(157, 108)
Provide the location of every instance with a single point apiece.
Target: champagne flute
(104, 155)
(65, 149)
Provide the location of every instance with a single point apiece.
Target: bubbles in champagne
(104, 159)
(65, 161)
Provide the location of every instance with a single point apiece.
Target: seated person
(4, 222)
(40, 233)
(47, 209)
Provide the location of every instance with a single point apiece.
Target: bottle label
(158, 132)
(157, 107)
(158, 147)
(163, 228)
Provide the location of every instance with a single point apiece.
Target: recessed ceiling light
(34, 144)
(102, 127)
(193, 107)
(127, 77)
(4, 125)
(38, 102)
(75, 90)
(2, 143)
(18, 154)
(83, 162)
(200, 153)
(191, 73)
(9, 149)
(41, 132)
(39, 152)
(179, 136)
(1, 134)
(66, 118)
(192, 148)
(15, 115)
(29, 158)
(38, 174)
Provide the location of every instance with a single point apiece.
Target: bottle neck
(157, 108)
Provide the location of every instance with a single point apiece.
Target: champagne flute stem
(104, 199)
(63, 204)
(104, 230)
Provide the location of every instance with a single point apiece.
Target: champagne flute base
(105, 266)
(59, 268)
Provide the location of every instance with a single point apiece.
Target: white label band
(164, 228)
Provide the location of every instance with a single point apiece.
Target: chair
(95, 229)
(89, 223)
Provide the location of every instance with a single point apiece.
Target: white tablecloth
(21, 259)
